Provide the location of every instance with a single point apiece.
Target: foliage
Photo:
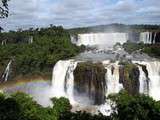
(131, 47)
(151, 50)
(138, 107)
(49, 45)
(82, 116)
(20, 106)
(61, 105)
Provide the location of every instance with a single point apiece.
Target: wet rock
(90, 80)
(129, 77)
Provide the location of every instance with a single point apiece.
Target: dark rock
(129, 77)
(90, 79)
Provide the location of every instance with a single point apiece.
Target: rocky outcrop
(89, 79)
(129, 77)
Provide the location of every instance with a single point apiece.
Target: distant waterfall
(153, 69)
(148, 37)
(107, 40)
(62, 80)
(6, 72)
(101, 39)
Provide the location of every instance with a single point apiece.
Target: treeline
(115, 28)
(20, 106)
(48, 45)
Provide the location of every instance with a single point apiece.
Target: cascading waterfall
(112, 78)
(69, 81)
(154, 75)
(65, 84)
(154, 40)
(145, 37)
(6, 72)
(63, 79)
(148, 37)
(101, 39)
(153, 69)
(143, 88)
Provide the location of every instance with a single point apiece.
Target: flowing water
(62, 84)
(6, 72)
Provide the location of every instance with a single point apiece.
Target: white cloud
(74, 13)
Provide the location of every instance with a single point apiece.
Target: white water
(112, 80)
(113, 85)
(143, 81)
(107, 40)
(63, 81)
(153, 69)
(4, 42)
(6, 72)
(101, 39)
(146, 37)
(63, 76)
(30, 41)
(70, 81)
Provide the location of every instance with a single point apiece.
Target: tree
(4, 8)
(138, 107)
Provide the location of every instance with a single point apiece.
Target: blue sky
(77, 13)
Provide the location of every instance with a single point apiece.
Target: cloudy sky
(75, 13)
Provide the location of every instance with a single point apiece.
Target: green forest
(20, 106)
(49, 45)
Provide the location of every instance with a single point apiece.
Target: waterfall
(6, 72)
(69, 84)
(63, 82)
(112, 79)
(4, 42)
(63, 79)
(154, 40)
(148, 37)
(143, 81)
(30, 41)
(107, 40)
(101, 39)
(153, 69)
(154, 75)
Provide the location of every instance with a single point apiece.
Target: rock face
(157, 37)
(90, 80)
(129, 77)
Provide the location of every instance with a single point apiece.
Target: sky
(79, 13)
